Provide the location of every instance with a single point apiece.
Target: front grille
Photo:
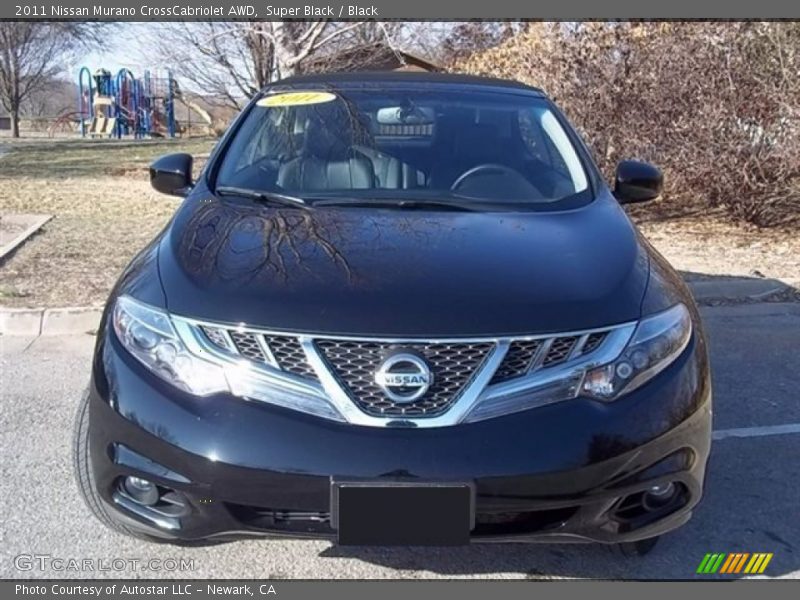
(287, 352)
(355, 362)
(515, 522)
(523, 355)
(489, 521)
(278, 519)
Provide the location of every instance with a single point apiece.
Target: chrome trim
(335, 392)
(123, 455)
(577, 349)
(253, 370)
(161, 521)
(226, 337)
(331, 390)
(541, 352)
(609, 350)
(399, 340)
(262, 343)
(229, 340)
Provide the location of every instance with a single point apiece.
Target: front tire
(85, 479)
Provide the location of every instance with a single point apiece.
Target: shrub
(715, 105)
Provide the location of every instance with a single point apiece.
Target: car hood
(363, 271)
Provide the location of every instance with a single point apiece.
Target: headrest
(326, 139)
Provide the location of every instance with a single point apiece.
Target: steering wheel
(489, 168)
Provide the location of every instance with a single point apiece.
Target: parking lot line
(748, 432)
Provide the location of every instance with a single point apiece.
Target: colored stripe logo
(734, 562)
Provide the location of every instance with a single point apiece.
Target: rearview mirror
(637, 182)
(399, 115)
(172, 174)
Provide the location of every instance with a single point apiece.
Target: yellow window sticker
(296, 99)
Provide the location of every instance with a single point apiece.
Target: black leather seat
(328, 162)
(390, 172)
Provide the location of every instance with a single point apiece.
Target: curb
(49, 321)
(740, 289)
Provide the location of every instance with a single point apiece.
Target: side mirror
(172, 174)
(637, 181)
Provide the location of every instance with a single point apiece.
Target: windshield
(405, 144)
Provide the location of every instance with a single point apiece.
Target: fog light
(662, 489)
(658, 495)
(141, 490)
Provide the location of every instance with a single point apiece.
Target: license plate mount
(402, 513)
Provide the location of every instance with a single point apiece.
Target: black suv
(398, 309)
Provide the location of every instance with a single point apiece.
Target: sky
(121, 52)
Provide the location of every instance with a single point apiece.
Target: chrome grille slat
(593, 342)
(577, 347)
(541, 353)
(217, 336)
(266, 350)
(525, 356)
(247, 345)
(518, 361)
(289, 355)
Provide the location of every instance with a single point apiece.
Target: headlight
(167, 347)
(147, 333)
(657, 341)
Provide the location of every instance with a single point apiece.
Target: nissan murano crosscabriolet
(398, 309)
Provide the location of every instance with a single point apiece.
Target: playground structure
(122, 105)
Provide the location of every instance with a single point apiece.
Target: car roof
(351, 79)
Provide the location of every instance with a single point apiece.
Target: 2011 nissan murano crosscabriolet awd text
(398, 309)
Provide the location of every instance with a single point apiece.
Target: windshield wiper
(407, 203)
(263, 196)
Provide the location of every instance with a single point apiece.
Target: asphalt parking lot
(751, 502)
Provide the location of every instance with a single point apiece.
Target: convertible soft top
(400, 77)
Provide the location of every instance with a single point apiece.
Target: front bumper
(574, 471)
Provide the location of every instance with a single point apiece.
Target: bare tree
(54, 97)
(32, 54)
(228, 62)
(225, 62)
(295, 42)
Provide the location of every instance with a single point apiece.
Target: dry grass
(105, 211)
(704, 246)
